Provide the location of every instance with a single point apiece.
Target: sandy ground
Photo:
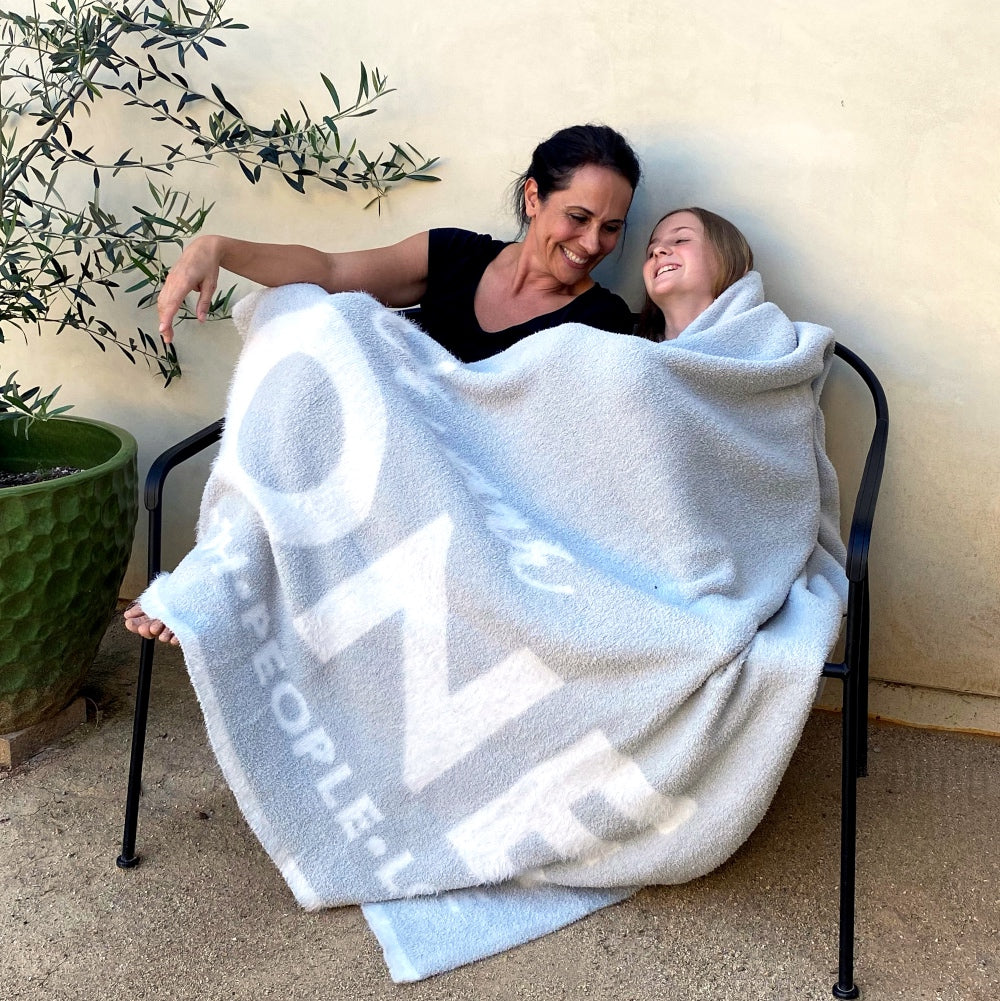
(208, 916)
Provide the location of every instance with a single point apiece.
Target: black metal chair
(852, 670)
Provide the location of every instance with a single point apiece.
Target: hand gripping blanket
(538, 630)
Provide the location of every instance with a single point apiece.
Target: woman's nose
(591, 241)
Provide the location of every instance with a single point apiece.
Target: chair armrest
(864, 506)
(174, 456)
(155, 479)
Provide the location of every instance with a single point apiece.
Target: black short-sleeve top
(457, 259)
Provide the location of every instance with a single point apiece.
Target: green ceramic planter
(64, 547)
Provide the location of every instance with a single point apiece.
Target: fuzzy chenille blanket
(550, 620)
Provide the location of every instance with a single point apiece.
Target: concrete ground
(208, 916)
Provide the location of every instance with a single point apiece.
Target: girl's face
(574, 229)
(680, 262)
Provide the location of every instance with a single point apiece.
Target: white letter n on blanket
(442, 727)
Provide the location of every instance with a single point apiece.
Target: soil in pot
(12, 478)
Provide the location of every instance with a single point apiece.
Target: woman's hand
(196, 270)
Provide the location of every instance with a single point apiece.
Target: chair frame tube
(853, 670)
(153, 499)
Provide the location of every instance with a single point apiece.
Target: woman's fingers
(196, 270)
(170, 299)
(206, 292)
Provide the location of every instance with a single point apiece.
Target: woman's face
(573, 230)
(680, 261)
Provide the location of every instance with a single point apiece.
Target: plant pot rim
(127, 447)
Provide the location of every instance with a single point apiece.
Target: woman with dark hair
(478, 295)
(693, 256)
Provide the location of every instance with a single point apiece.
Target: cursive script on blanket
(529, 553)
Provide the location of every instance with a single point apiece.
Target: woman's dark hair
(555, 160)
(733, 256)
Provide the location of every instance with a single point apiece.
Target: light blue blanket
(421, 936)
(550, 620)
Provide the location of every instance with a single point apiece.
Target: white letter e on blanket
(541, 803)
(442, 727)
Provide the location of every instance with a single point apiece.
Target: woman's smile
(575, 259)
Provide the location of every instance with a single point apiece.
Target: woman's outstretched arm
(395, 275)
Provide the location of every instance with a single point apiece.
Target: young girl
(693, 256)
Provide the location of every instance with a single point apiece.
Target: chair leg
(845, 986)
(128, 857)
(862, 684)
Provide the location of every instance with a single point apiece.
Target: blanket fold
(555, 617)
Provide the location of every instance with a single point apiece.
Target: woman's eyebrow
(583, 208)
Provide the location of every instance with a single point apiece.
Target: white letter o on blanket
(287, 696)
(342, 501)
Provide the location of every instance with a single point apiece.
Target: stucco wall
(855, 144)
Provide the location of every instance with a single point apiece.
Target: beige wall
(854, 143)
